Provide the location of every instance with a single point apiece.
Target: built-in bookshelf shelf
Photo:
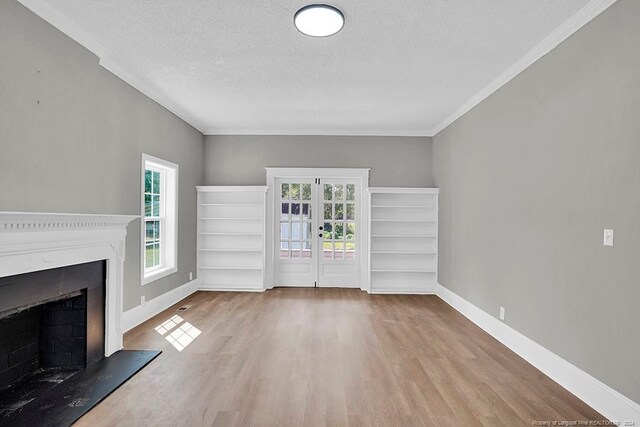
(231, 237)
(403, 241)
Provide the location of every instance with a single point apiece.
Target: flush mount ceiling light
(319, 20)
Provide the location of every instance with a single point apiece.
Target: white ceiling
(402, 67)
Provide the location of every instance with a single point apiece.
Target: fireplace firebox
(51, 326)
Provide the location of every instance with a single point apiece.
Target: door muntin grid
(339, 218)
(296, 220)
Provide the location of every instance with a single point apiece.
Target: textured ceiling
(240, 67)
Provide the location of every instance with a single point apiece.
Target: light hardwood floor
(331, 357)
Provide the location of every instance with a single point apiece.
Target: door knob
(320, 228)
(320, 235)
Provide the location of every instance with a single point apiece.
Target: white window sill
(157, 274)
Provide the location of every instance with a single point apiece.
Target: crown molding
(566, 30)
(117, 66)
(314, 132)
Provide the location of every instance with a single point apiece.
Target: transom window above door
(296, 220)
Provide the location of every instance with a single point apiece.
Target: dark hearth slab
(63, 404)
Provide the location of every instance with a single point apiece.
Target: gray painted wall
(394, 161)
(531, 177)
(71, 136)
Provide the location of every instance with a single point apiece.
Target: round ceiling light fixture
(319, 20)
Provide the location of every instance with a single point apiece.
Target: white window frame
(169, 223)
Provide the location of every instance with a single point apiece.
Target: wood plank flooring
(316, 357)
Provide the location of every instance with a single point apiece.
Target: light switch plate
(608, 237)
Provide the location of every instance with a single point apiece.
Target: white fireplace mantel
(40, 241)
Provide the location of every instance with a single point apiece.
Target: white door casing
(346, 264)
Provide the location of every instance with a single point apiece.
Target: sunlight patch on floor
(183, 336)
(168, 324)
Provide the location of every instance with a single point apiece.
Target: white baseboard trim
(227, 289)
(610, 403)
(402, 292)
(142, 313)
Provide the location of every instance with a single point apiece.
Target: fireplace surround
(61, 281)
(31, 242)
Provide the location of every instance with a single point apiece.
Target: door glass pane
(284, 249)
(306, 230)
(327, 191)
(296, 231)
(350, 249)
(327, 250)
(351, 230)
(285, 192)
(295, 191)
(339, 213)
(351, 192)
(327, 211)
(306, 249)
(284, 212)
(339, 231)
(295, 211)
(285, 230)
(306, 191)
(351, 211)
(338, 192)
(339, 250)
(327, 231)
(295, 250)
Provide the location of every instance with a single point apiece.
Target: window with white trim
(160, 218)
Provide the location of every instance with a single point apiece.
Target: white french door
(317, 232)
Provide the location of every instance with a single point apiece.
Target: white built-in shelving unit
(231, 237)
(403, 242)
